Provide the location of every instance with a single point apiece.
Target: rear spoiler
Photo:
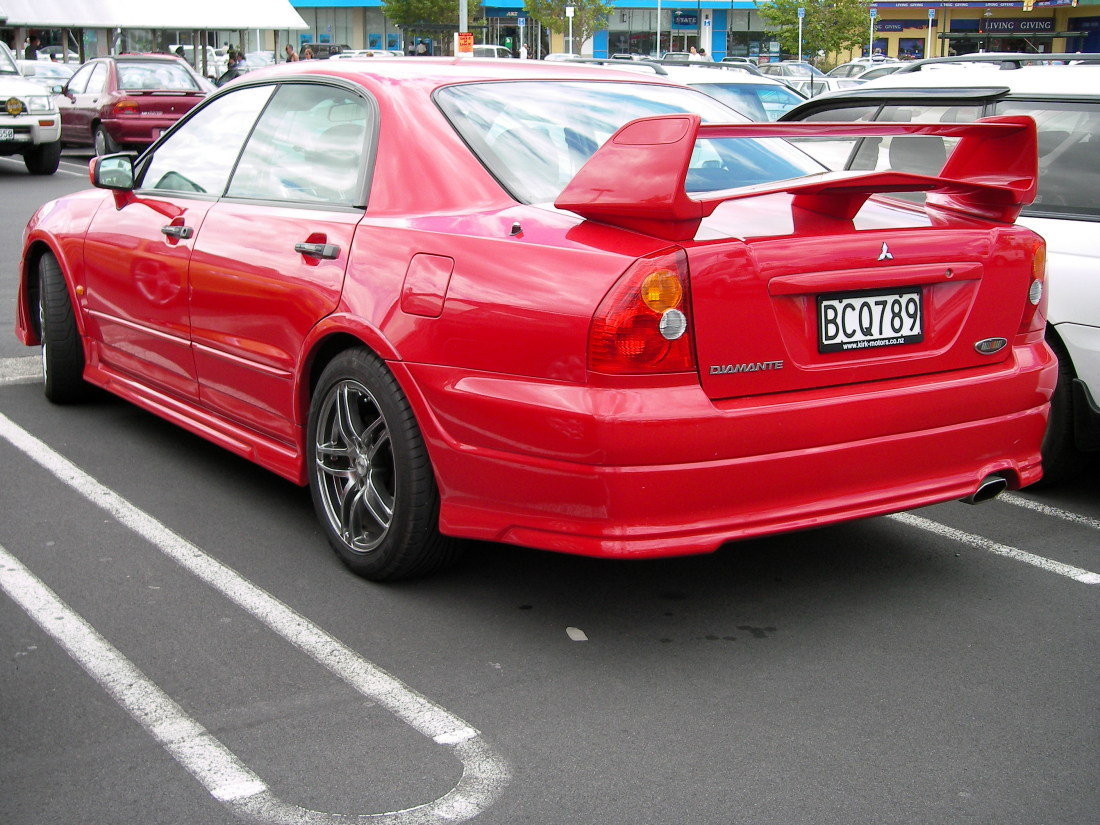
(637, 179)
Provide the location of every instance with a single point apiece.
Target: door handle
(175, 230)
(327, 251)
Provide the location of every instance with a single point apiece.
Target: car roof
(1060, 80)
(693, 74)
(445, 71)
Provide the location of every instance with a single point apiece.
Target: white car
(492, 51)
(30, 124)
(1065, 103)
(805, 77)
(755, 96)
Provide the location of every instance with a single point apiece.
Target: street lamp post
(801, 14)
(658, 29)
(928, 39)
(871, 35)
(569, 15)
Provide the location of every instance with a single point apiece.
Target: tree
(829, 25)
(589, 16)
(408, 14)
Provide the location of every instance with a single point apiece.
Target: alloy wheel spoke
(347, 418)
(378, 502)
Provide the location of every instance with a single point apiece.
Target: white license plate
(7, 134)
(867, 320)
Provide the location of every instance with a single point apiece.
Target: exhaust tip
(989, 489)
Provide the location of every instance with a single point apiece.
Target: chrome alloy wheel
(354, 466)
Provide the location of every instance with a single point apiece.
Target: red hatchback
(554, 306)
(115, 103)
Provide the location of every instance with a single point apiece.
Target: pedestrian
(703, 56)
(33, 44)
(693, 55)
(291, 55)
(307, 53)
(421, 47)
(523, 51)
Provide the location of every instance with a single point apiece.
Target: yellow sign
(14, 106)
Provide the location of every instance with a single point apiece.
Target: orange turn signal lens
(661, 290)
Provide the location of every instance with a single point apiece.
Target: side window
(199, 155)
(79, 81)
(98, 80)
(309, 147)
(1069, 146)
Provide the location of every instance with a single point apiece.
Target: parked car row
(536, 344)
(1064, 101)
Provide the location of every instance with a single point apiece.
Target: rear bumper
(135, 130)
(664, 471)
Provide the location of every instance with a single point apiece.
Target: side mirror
(112, 172)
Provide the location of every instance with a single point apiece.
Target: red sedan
(113, 103)
(554, 306)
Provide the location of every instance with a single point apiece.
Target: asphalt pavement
(180, 645)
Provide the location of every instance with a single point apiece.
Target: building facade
(901, 28)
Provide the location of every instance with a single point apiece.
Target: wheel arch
(335, 334)
(27, 314)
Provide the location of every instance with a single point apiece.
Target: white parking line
(207, 759)
(982, 543)
(26, 370)
(20, 163)
(1047, 510)
(485, 774)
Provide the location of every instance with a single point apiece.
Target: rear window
(755, 100)
(162, 75)
(535, 136)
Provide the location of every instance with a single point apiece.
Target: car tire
(370, 474)
(44, 158)
(104, 144)
(62, 350)
(1061, 458)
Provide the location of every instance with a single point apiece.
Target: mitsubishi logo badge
(885, 255)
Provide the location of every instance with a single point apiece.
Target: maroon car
(115, 103)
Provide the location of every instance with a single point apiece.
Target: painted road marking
(25, 370)
(485, 774)
(20, 164)
(205, 757)
(982, 543)
(1047, 510)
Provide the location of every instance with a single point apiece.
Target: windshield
(7, 62)
(535, 135)
(155, 74)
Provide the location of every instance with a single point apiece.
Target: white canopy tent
(203, 15)
(185, 21)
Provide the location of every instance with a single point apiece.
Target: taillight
(125, 107)
(643, 325)
(1035, 307)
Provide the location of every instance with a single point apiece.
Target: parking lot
(181, 645)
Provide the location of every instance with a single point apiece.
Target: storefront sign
(901, 25)
(685, 20)
(1019, 24)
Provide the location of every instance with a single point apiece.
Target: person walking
(307, 53)
(291, 55)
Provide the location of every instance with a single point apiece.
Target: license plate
(868, 320)
(7, 134)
